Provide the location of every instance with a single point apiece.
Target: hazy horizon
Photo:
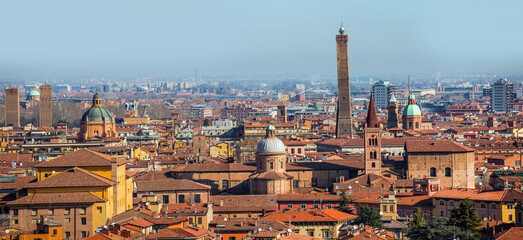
(66, 39)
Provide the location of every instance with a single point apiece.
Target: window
(67, 211)
(15, 212)
(67, 220)
(441, 202)
(281, 165)
(303, 206)
(451, 203)
(100, 210)
(55, 232)
(165, 199)
(34, 212)
(232, 238)
(96, 132)
(15, 221)
(314, 182)
(384, 208)
(181, 198)
(510, 206)
(316, 206)
(310, 232)
(225, 184)
(448, 172)
(433, 172)
(84, 221)
(67, 235)
(50, 211)
(84, 234)
(493, 216)
(391, 208)
(329, 206)
(493, 206)
(441, 213)
(200, 220)
(271, 165)
(197, 198)
(373, 165)
(403, 213)
(510, 216)
(483, 205)
(295, 183)
(191, 221)
(325, 234)
(417, 124)
(83, 210)
(289, 205)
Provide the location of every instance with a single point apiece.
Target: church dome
(33, 93)
(97, 114)
(411, 110)
(270, 144)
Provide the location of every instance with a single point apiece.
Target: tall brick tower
(12, 107)
(46, 106)
(372, 141)
(392, 109)
(343, 116)
(282, 114)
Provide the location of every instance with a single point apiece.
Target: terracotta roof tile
(435, 146)
(310, 215)
(169, 184)
(53, 198)
(80, 158)
(74, 177)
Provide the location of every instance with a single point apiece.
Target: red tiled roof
(310, 215)
(495, 196)
(179, 233)
(435, 146)
(80, 158)
(169, 184)
(74, 177)
(54, 198)
(515, 233)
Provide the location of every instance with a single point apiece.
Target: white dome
(270, 145)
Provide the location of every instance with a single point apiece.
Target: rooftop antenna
(488, 78)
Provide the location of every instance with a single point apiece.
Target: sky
(68, 39)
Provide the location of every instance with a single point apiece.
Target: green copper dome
(270, 127)
(97, 114)
(411, 110)
(33, 93)
(411, 96)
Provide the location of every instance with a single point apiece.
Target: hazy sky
(41, 39)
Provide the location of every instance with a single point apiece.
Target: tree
(345, 204)
(436, 228)
(368, 216)
(465, 217)
(417, 219)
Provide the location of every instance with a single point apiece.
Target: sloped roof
(310, 215)
(80, 158)
(57, 198)
(435, 146)
(74, 177)
(169, 184)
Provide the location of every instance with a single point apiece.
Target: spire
(393, 98)
(372, 118)
(97, 100)
(342, 30)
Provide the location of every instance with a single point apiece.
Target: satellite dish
(289, 230)
(259, 229)
(350, 187)
(381, 213)
(7, 231)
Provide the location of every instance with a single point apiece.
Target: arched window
(373, 165)
(448, 172)
(433, 172)
(373, 155)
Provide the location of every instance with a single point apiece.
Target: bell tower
(372, 141)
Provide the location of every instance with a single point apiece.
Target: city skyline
(170, 39)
